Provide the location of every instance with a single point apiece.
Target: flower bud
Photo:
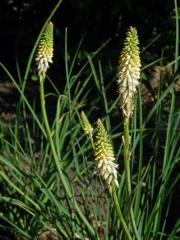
(87, 127)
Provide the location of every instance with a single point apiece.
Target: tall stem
(127, 157)
(139, 174)
(55, 156)
(119, 212)
(49, 136)
(128, 175)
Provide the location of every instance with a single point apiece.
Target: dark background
(21, 21)
(96, 20)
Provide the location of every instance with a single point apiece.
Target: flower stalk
(119, 213)
(128, 81)
(44, 57)
(104, 159)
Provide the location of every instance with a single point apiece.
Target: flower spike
(45, 51)
(129, 71)
(87, 127)
(104, 156)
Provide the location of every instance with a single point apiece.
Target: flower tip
(129, 71)
(87, 127)
(45, 51)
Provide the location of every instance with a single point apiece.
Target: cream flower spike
(45, 51)
(104, 156)
(129, 71)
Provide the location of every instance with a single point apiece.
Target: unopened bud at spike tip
(87, 127)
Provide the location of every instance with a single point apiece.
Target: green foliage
(49, 185)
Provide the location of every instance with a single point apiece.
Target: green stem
(139, 175)
(127, 156)
(49, 136)
(128, 175)
(55, 156)
(92, 141)
(119, 212)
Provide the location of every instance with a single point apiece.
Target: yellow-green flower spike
(87, 127)
(129, 71)
(45, 51)
(104, 156)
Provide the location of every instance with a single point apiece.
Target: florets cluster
(104, 156)
(129, 71)
(45, 51)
